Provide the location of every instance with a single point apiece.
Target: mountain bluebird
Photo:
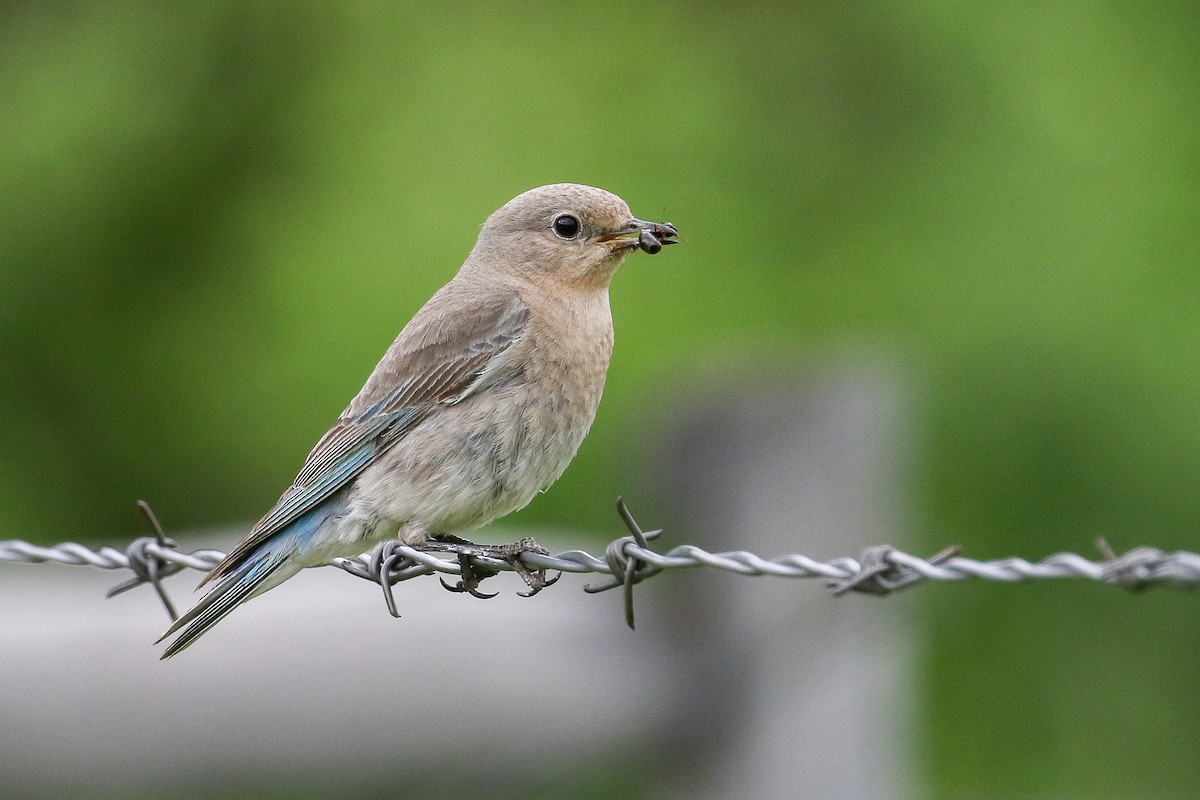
(480, 402)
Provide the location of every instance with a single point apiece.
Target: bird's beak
(639, 234)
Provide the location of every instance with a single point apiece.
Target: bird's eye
(566, 226)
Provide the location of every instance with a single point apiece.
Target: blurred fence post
(796, 694)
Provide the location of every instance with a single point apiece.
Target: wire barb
(880, 575)
(145, 563)
(623, 560)
(1134, 570)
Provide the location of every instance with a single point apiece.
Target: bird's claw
(467, 587)
(472, 574)
(536, 579)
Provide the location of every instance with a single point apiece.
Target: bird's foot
(473, 573)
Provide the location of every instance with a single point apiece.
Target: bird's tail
(237, 587)
(251, 569)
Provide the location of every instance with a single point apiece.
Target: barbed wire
(629, 560)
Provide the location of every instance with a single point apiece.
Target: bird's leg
(472, 574)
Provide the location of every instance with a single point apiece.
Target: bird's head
(567, 233)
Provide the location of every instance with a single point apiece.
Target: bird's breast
(537, 420)
(565, 372)
(475, 461)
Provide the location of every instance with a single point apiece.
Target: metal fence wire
(629, 560)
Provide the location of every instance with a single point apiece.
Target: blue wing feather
(448, 365)
(359, 443)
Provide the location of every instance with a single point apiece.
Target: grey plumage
(481, 401)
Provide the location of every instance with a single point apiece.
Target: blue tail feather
(245, 580)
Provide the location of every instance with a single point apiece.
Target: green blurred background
(215, 216)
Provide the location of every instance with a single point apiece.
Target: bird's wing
(438, 359)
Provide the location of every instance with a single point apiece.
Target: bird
(480, 403)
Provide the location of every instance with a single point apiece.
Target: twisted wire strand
(1179, 568)
(15, 551)
(630, 559)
